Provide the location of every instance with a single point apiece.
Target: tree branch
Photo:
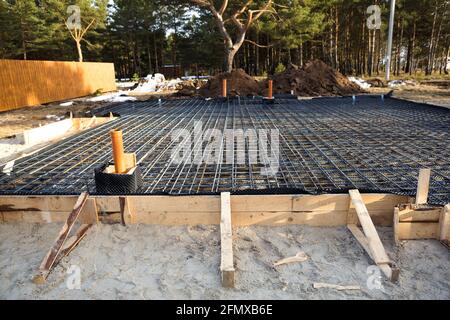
(223, 7)
(87, 28)
(258, 45)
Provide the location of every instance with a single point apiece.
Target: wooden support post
(423, 186)
(126, 211)
(370, 240)
(58, 250)
(226, 241)
(444, 224)
(395, 225)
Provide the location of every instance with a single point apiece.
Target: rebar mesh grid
(327, 145)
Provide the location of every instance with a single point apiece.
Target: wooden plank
(46, 133)
(352, 217)
(34, 216)
(315, 218)
(418, 230)
(444, 223)
(377, 250)
(130, 160)
(126, 211)
(360, 237)
(72, 243)
(423, 186)
(150, 204)
(391, 273)
(52, 255)
(37, 203)
(320, 210)
(395, 225)
(267, 203)
(89, 213)
(420, 215)
(226, 242)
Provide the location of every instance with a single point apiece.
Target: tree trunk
(429, 68)
(80, 53)
(412, 44)
(399, 56)
(24, 46)
(257, 54)
(336, 39)
(301, 54)
(229, 58)
(446, 59)
(156, 53)
(436, 46)
(149, 54)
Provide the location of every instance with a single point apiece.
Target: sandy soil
(16, 121)
(156, 262)
(422, 93)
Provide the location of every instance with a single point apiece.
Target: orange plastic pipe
(270, 94)
(118, 154)
(224, 88)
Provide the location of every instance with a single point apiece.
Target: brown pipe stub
(224, 88)
(118, 153)
(270, 92)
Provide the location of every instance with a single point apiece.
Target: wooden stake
(423, 186)
(444, 232)
(126, 211)
(226, 242)
(395, 225)
(54, 254)
(370, 240)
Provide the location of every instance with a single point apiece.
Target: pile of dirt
(189, 88)
(239, 83)
(377, 83)
(313, 79)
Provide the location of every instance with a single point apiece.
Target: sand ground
(157, 262)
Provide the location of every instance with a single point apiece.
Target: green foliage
(280, 68)
(141, 36)
(135, 77)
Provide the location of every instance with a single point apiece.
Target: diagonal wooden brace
(369, 239)
(60, 248)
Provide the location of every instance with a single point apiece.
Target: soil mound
(313, 79)
(239, 83)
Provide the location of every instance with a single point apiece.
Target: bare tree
(241, 18)
(78, 35)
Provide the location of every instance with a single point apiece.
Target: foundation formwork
(327, 151)
(326, 145)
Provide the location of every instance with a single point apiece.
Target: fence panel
(29, 83)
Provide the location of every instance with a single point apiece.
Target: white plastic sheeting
(156, 83)
(120, 96)
(363, 84)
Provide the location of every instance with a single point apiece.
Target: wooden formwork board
(413, 223)
(230, 211)
(314, 210)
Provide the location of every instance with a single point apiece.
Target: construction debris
(319, 285)
(120, 96)
(299, 257)
(360, 82)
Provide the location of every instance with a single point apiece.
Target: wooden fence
(30, 83)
